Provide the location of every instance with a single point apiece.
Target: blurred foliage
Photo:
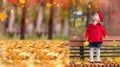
(79, 26)
(0, 5)
(46, 16)
(62, 9)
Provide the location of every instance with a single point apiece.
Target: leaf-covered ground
(105, 60)
(37, 53)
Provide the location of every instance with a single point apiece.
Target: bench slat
(95, 52)
(108, 48)
(100, 56)
(72, 44)
(112, 38)
(72, 38)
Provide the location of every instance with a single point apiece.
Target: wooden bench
(77, 48)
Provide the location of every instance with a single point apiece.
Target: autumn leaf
(52, 54)
(30, 44)
(58, 44)
(116, 60)
(74, 37)
(114, 43)
(89, 6)
(78, 62)
(24, 54)
(87, 59)
(77, 24)
(86, 43)
(49, 4)
(3, 16)
(22, 1)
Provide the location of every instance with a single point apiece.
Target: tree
(50, 24)
(12, 21)
(3, 6)
(24, 4)
(22, 26)
(39, 28)
(62, 10)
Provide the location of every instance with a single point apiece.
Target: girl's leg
(91, 54)
(98, 54)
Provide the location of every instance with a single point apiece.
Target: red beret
(100, 16)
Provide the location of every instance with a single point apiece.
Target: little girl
(94, 34)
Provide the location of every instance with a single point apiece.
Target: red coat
(94, 33)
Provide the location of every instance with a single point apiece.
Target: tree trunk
(62, 26)
(39, 28)
(3, 4)
(50, 24)
(56, 27)
(22, 31)
(11, 22)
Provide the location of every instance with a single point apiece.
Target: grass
(60, 37)
(34, 37)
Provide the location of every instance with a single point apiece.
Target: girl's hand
(106, 36)
(86, 39)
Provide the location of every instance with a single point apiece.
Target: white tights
(97, 54)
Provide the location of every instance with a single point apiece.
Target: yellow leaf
(74, 37)
(78, 62)
(114, 43)
(24, 54)
(45, 50)
(22, 1)
(86, 43)
(89, 6)
(49, 4)
(53, 65)
(2, 16)
(87, 59)
(77, 24)
(58, 45)
(52, 54)
(117, 60)
(30, 45)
